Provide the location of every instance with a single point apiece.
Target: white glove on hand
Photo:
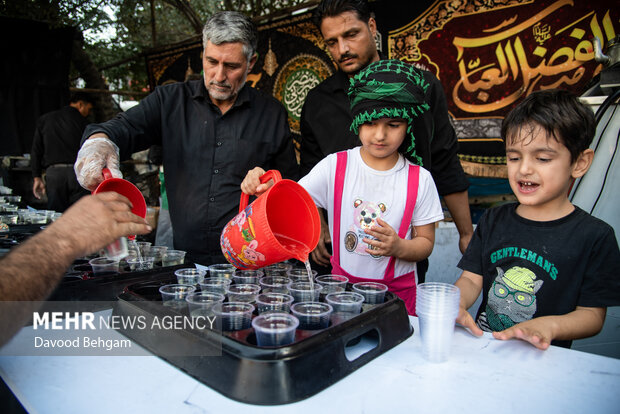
(95, 154)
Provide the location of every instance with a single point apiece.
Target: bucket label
(249, 256)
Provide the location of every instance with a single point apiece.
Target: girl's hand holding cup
(386, 241)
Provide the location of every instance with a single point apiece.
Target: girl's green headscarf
(389, 89)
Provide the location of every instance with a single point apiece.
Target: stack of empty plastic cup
(437, 306)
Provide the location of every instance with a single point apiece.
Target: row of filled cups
(16, 215)
(164, 258)
(4, 199)
(279, 301)
(143, 255)
(245, 285)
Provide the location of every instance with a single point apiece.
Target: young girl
(381, 207)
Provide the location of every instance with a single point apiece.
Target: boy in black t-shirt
(546, 268)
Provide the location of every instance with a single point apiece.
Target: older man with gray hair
(212, 132)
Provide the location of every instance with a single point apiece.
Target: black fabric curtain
(34, 78)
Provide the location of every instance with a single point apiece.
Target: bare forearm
(470, 285)
(458, 205)
(28, 274)
(580, 323)
(36, 265)
(414, 250)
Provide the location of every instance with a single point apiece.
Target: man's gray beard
(220, 96)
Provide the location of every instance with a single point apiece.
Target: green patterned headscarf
(389, 89)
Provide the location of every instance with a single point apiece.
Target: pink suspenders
(404, 286)
(412, 195)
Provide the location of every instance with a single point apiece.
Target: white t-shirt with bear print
(368, 194)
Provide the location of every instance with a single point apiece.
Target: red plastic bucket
(283, 223)
(124, 188)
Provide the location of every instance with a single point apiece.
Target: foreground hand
(96, 221)
(465, 319)
(320, 254)
(95, 154)
(251, 184)
(38, 188)
(533, 331)
(387, 242)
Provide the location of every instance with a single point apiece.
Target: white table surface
(483, 375)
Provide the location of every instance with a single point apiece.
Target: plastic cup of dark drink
(312, 315)
(233, 316)
(173, 258)
(275, 329)
(273, 302)
(372, 292)
(242, 293)
(300, 275)
(304, 291)
(222, 270)
(200, 304)
(332, 283)
(247, 276)
(174, 295)
(103, 265)
(143, 263)
(277, 269)
(275, 284)
(215, 285)
(158, 253)
(345, 302)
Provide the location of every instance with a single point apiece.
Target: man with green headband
(348, 30)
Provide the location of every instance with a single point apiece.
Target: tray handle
(366, 350)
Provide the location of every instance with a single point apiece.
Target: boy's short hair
(559, 113)
(332, 8)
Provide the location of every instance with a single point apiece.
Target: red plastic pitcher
(124, 188)
(281, 224)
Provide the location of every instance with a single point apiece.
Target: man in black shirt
(212, 132)
(54, 147)
(348, 30)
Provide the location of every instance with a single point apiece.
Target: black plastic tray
(80, 284)
(267, 376)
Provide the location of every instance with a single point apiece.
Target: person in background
(31, 271)
(546, 268)
(54, 148)
(212, 131)
(380, 231)
(349, 33)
